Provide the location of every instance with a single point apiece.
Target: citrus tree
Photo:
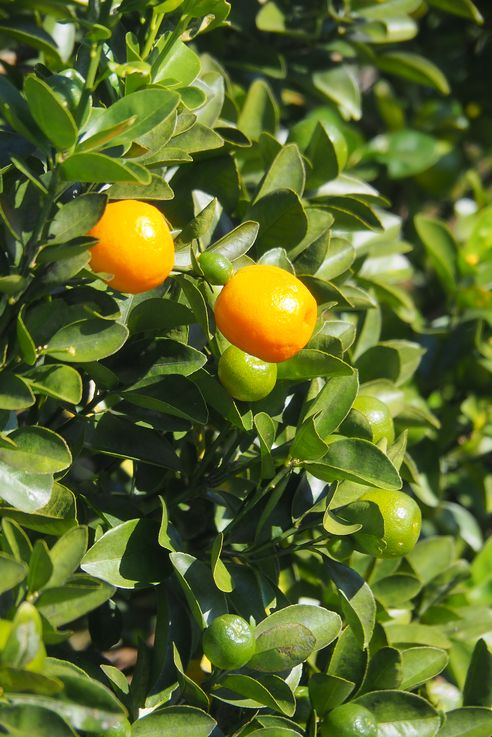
(245, 330)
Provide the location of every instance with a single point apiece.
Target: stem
(180, 27)
(251, 502)
(90, 81)
(39, 231)
(155, 25)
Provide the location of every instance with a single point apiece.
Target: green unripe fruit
(391, 523)
(378, 417)
(340, 548)
(229, 642)
(217, 269)
(349, 720)
(246, 377)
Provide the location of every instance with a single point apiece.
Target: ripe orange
(134, 245)
(267, 312)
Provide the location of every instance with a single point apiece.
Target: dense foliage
(348, 142)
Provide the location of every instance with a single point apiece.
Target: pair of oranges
(265, 312)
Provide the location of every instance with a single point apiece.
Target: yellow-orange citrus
(134, 245)
(267, 312)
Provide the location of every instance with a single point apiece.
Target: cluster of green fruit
(229, 644)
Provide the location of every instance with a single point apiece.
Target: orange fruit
(134, 245)
(267, 312)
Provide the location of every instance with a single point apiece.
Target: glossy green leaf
(268, 690)
(78, 596)
(205, 600)
(281, 217)
(397, 710)
(27, 720)
(87, 340)
(356, 598)
(13, 572)
(175, 721)
(97, 167)
(15, 393)
(59, 125)
(421, 664)
(441, 249)
(415, 68)
(76, 217)
(128, 556)
(40, 567)
(56, 381)
(468, 722)
(356, 460)
(38, 450)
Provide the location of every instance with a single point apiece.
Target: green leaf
(122, 439)
(15, 394)
(384, 671)
(177, 66)
(397, 589)
(328, 691)
(397, 711)
(281, 647)
(159, 315)
(322, 156)
(204, 598)
(356, 460)
(277, 646)
(340, 86)
(38, 450)
(26, 343)
(463, 8)
(282, 219)
(286, 172)
(221, 575)
(13, 572)
(66, 555)
(477, 690)
(441, 249)
(333, 403)
(31, 35)
(356, 599)
(237, 242)
(78, 596)
(26, 491)
(421, 664)
(467, 722)
(260, 112)
(27, 720)
(77, 217)
(24, 646)
(40, 567)
(56, 381)
(86, 703)
(415, 68)
(58, 125)
(269, 690)
(54, 517)
(96, 167)
(311, 363)
(156, 189)
(146, 108)
(175, 721)
(87, 340)
(128, 556)
(173, 395)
